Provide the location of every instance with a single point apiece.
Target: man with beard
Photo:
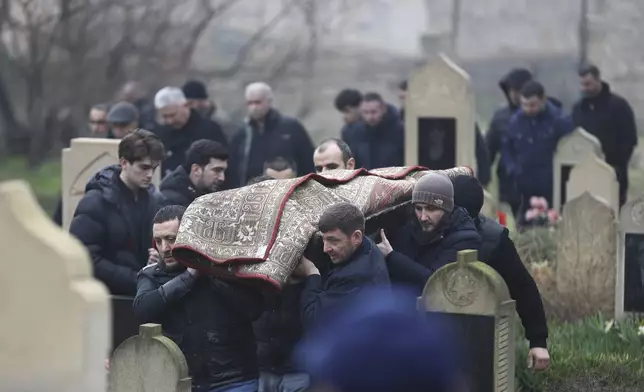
(356, 264)
(113, 218)
(436, 233)
(202, 172)
(208, 318)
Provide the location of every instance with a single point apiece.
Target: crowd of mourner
(236, 338)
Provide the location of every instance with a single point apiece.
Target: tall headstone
(476, 301)
(439, 117)
(595, 176)
(571, 150)
(629, 293)
(587, 253)
(80, 162)
(149, 362)
(54, 334)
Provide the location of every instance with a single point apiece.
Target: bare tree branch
(248, 47)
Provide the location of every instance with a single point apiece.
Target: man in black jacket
(379, 139)
(357, 264)
(433, 237)
(202, 172)
(278, 331)
(610, 118)
(113, 218)
(181, 127)
(498, 252)
(267, 134)
(208, 318)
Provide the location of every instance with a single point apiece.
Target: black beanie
(468, 193)
(194, 89)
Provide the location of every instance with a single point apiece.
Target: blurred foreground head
(381, 343)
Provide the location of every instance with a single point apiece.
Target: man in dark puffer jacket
(114, 218)
(498, 252)
(433, 237)
(202, 172)
(208, 318)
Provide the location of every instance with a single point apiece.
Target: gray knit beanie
(434, 189)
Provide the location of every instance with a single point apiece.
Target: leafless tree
(69, 54)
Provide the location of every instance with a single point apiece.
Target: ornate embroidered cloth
(260, 232)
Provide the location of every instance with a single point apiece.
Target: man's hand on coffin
(384, 245)
(193, 271)
(305, 268)
(153, 256)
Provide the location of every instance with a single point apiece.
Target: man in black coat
(379, 139)
(498, 252)
(202, 172)
(113, 219)
(433, 237)
(348, 103)
(267, 134)
(181, 127)
(511, 85)
(610, 118)
(357, 264)
(208, 318)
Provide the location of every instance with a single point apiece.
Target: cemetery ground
(589, 351)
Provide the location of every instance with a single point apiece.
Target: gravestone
(629, 293)
(80, 162)
(595, 176)
(490, 206)
(571, 150)
(54, 334)
(439, 117)
(474, 298)
(149, 362)
(124, 323)
(587, 253)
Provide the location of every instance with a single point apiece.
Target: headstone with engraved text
(475, 300)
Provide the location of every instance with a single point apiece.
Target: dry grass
(583, 288)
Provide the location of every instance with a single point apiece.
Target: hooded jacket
(513, 80)
(379, 146)
(413, 260)
(115, 228)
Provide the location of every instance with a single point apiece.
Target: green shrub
(594, 354)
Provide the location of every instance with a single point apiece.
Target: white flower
(609, 326)
(640, 330)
